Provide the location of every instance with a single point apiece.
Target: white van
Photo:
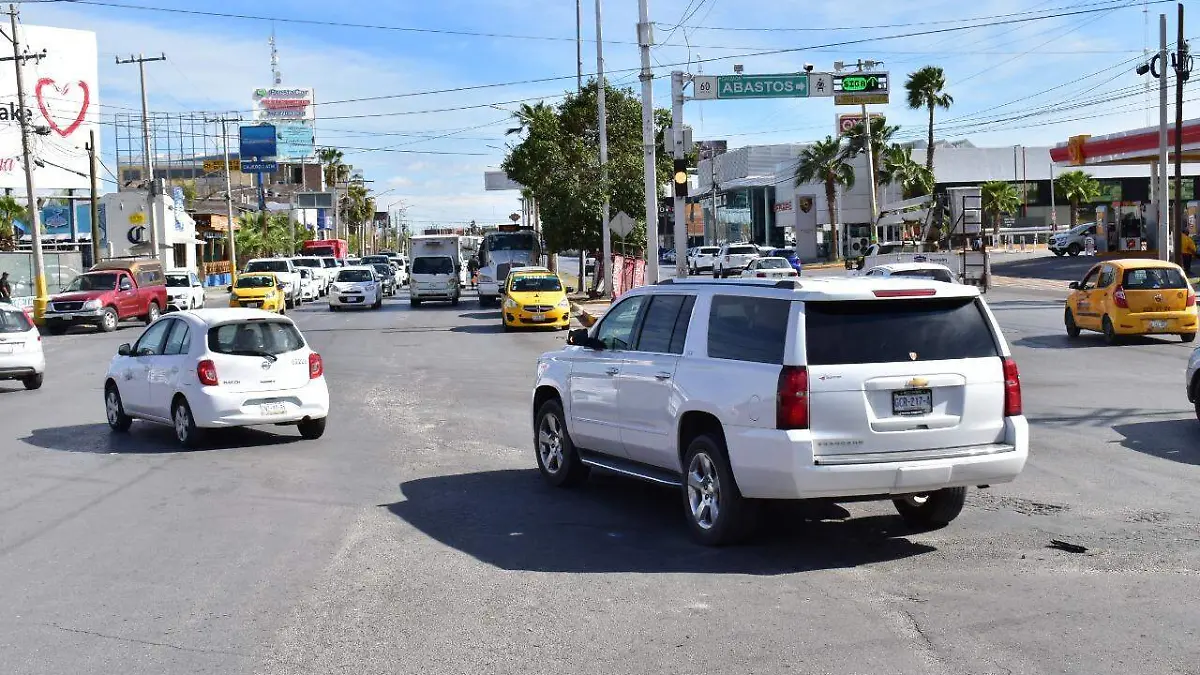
(434, 277)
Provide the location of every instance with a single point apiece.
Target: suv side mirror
(125, 350)
(580, 338)
(1074, 285)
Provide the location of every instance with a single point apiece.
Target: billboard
(256, 141)
(290, 109)
(62, 101)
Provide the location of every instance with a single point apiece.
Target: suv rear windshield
(306, 262)
(355, 275)
(267, 266)
(743, 250)
(178, 281)
(1152, 279)
(892, 331)
(14, 321)
(254, 338)
(709, 250)
(935, 274)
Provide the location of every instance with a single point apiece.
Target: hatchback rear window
(254, 338)
(891, 331)
(1153, 278)
(743, 250)
(935, 274)
(14, 321)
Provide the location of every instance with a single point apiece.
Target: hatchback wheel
(186, 431)
(311, 429)
(1187, 337)
(933, 509)
(33, 381)
(1110, 332)
(1069, 321)
(557, 459)
(1073, 250)
(114, 411)
(717, 514)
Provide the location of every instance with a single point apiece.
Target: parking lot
(416, 535)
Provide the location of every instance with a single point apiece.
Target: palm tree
(527, 114)
(898, 168)
(926, 89)
(825, 162)
(335, 171)
(10, 211)
(1077, 187)
(998, 198)
(881, 138)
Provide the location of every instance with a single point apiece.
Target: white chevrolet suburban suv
(742, 391)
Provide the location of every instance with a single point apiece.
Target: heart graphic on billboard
(62, 96)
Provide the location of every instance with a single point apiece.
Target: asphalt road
(417, 537)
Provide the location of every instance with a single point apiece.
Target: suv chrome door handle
(662, 376)
(612, 371)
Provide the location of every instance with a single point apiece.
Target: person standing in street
(5, 288)
(1187, 251)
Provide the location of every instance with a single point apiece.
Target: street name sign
(706, 87)
(256, 166)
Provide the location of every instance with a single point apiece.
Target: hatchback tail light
(1191, 298)
(206, 372)
(1012, 388)
(1119, 298)
(791, 408)
(316, 367)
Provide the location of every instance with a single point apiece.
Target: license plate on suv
(912, 402)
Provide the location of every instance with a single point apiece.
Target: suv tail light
(1119, 298)
(316, 367)
(791, 407)
(206, 371)
(1012, 388)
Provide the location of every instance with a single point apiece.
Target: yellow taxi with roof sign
(534, 298)
(1132, 297)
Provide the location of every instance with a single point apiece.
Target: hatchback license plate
(6, 349)
(912, 402)
(273, 409)
(254, 304)
(539, 316)
(1158, 324)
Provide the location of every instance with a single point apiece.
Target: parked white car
(700, 258)
(769, 268)
(931, 271)
(21, 356)
(211, 368)
(309, 286)
(322, 275)
(1073, 241)
(732, 259)
(355, 286)
(766, 390)
(285, 271)
(184, 290)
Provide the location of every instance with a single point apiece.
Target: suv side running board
(630, 468)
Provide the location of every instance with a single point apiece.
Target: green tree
(10, 211)
(1077, 187)
(898, 168)
(881, 139)
(266, 234)
(998, 198)
(334, 170)
(927, 89)
(825, 162)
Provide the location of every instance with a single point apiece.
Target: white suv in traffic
(732, 259)
(753, 390)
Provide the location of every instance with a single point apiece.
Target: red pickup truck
(111, 292)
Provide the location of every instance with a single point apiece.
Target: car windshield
(267, 266)
(329, 263)
(255, 338)
(93, 282)
(931, 273)
(320, 250)
(306, 262)
(743, 250)
(255, 281)
(538, 284)
(433, 266)
(178, 281)
(383, 269)
(1153, 278)
(13, 321)
(375, 259)
(774, 264)
(355, 275)
(514, 241)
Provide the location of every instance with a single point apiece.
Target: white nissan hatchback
(21, 356)
(214, 368)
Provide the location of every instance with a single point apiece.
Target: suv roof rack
(791, 284)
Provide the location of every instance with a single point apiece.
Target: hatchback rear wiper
(250, 352)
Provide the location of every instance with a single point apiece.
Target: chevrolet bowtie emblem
(918, 382)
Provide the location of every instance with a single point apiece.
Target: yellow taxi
(534, 299)
(261, 290)
(1132, 297)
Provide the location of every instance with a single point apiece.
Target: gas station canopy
(1139, 146)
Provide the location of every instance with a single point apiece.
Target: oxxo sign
(847, 122)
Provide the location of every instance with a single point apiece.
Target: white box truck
(435, 273)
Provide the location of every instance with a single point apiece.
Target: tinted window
(177, 341)
(254, 338)
(935, 274)
(255, 282)
(306, 262)
(150, 344)
(709, 250)
(616, 330)
(383, 269)
(748, 329)
(1153, 279)
(433, 266)
(178, 281)
(355, 275)
(663, 331)
(14, 321)
(897, 331)
(1108, 274)
(783, 253)
(544, 284)
(1089, 282)
(375, 259)
(514, 241)
(328, 262)
(743, 250)
(267, 266)
(93, 282)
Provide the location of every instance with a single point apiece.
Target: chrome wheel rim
(916, 500)
(550, 443)
(704, 491)
(112, 407)
(153, 311)
(110, 320)
(181, 423)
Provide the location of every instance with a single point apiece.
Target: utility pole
(148, 163)
(1164, 204)
(603, 122)
(579, 57)
(232, 247)
(1182, 70)
(645, 39)
(95, 210)
(40, 296)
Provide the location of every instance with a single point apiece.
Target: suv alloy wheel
(557, 459)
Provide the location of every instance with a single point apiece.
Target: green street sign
(750, 86)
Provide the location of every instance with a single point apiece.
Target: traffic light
(681, 178)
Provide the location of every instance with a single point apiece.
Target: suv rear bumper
(770, 464)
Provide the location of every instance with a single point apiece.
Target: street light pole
(605, 233)
(40, 296)
(645, 39)
(148, 162)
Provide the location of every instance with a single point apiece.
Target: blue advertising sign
(322, 219)
(257, 141)
(295, 140)
(259, 166)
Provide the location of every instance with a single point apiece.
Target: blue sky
(1032, 83)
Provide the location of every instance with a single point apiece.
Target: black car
(387, 278)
